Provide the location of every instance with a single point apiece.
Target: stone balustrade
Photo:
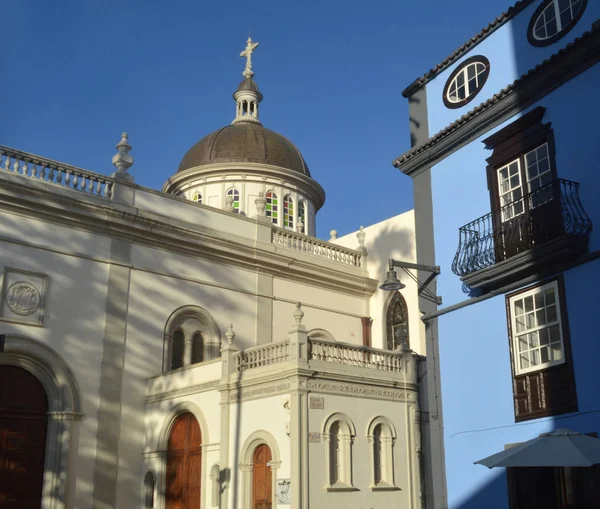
(41, 169)
(313, 246)
(354, 355)
(263, 355)
(320, 350)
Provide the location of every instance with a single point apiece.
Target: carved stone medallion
(23, 298)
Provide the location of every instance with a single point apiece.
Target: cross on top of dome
(250, 48)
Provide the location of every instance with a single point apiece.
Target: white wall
(392, 238)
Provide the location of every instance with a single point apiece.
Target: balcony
(540, 233)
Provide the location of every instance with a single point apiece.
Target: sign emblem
(23, 298)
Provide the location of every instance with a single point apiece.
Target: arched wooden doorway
(23, 425)
(262, 483)
(184, 462)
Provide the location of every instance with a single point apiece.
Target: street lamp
(392, 282)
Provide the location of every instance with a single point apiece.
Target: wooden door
(184, 462)
(262, 483)
(23, 424)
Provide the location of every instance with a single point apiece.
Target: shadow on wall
(492, 495)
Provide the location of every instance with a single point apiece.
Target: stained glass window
(272, 207)
(302, 215)
(288, 211)
(197, 198)
(235, 194)
(397, 322)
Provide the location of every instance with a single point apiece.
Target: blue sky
(75, 74)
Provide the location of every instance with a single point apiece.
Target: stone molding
(360, 391)
(147, 229)
(178, 393)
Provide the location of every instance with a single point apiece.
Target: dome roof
(245, 142)
(248, 84)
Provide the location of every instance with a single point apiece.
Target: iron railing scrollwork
(549, 212)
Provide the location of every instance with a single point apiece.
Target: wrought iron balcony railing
(549, 212)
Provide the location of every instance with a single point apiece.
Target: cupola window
(466, 81)
(302, 215)
(553, 19)
(235, 194)
(197, 198)
(288, 211)
(272, 206)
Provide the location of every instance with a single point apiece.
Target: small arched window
(288, 212)
(197, 198)
(466, 81)
(553, 19)
(191, 337)
(339, 435)
(272, 206)
(149, 486)
(235, 195)
(302, 215)
(397, 322)
(381, 437)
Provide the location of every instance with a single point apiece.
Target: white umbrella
(560, 448)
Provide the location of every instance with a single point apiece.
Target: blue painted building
(506, 181)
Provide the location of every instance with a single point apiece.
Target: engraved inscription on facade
(317, 403)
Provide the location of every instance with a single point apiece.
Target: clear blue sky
(77, 73)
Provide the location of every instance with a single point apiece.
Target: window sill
(340, 486)
(383, 486)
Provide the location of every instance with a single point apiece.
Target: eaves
(568, 62)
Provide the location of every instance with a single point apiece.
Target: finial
(229, 204)
(122, 160)
(250, 48)
(229, 334)
(361, 239)
(298, 314)
(260, 203)
(333, 235)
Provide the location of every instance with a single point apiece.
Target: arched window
(288, 212)
(177, 349)
(272, 206)
(149, 485)
(553, 19)
(397, 322)
(191, 336)
(381, 436)
(466, 81)
(197, 198)
(302, 215)
(235, 194)
(339, 433)
(215, 478)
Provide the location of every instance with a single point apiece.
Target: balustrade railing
(41, 169)
(310, 245)
(354, 355)
(549, 212)
(263, 355)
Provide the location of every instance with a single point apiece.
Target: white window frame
(556, 11)
(504, 207)
(302, 214)
(346, 434)
(288, 216)
(269, 213)
(235, 194)
(382, 475)
(480, 69)
(516, 334)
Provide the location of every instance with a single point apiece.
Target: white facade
(134, 307)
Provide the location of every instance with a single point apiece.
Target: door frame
(246, 465)
(64, 415)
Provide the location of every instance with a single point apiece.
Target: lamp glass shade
(392, 282)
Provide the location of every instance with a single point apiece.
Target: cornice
(113, 220)
(312, 188)
(568, 62)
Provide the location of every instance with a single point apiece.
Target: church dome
(245, 142)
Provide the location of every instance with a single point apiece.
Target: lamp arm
(416, 266)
